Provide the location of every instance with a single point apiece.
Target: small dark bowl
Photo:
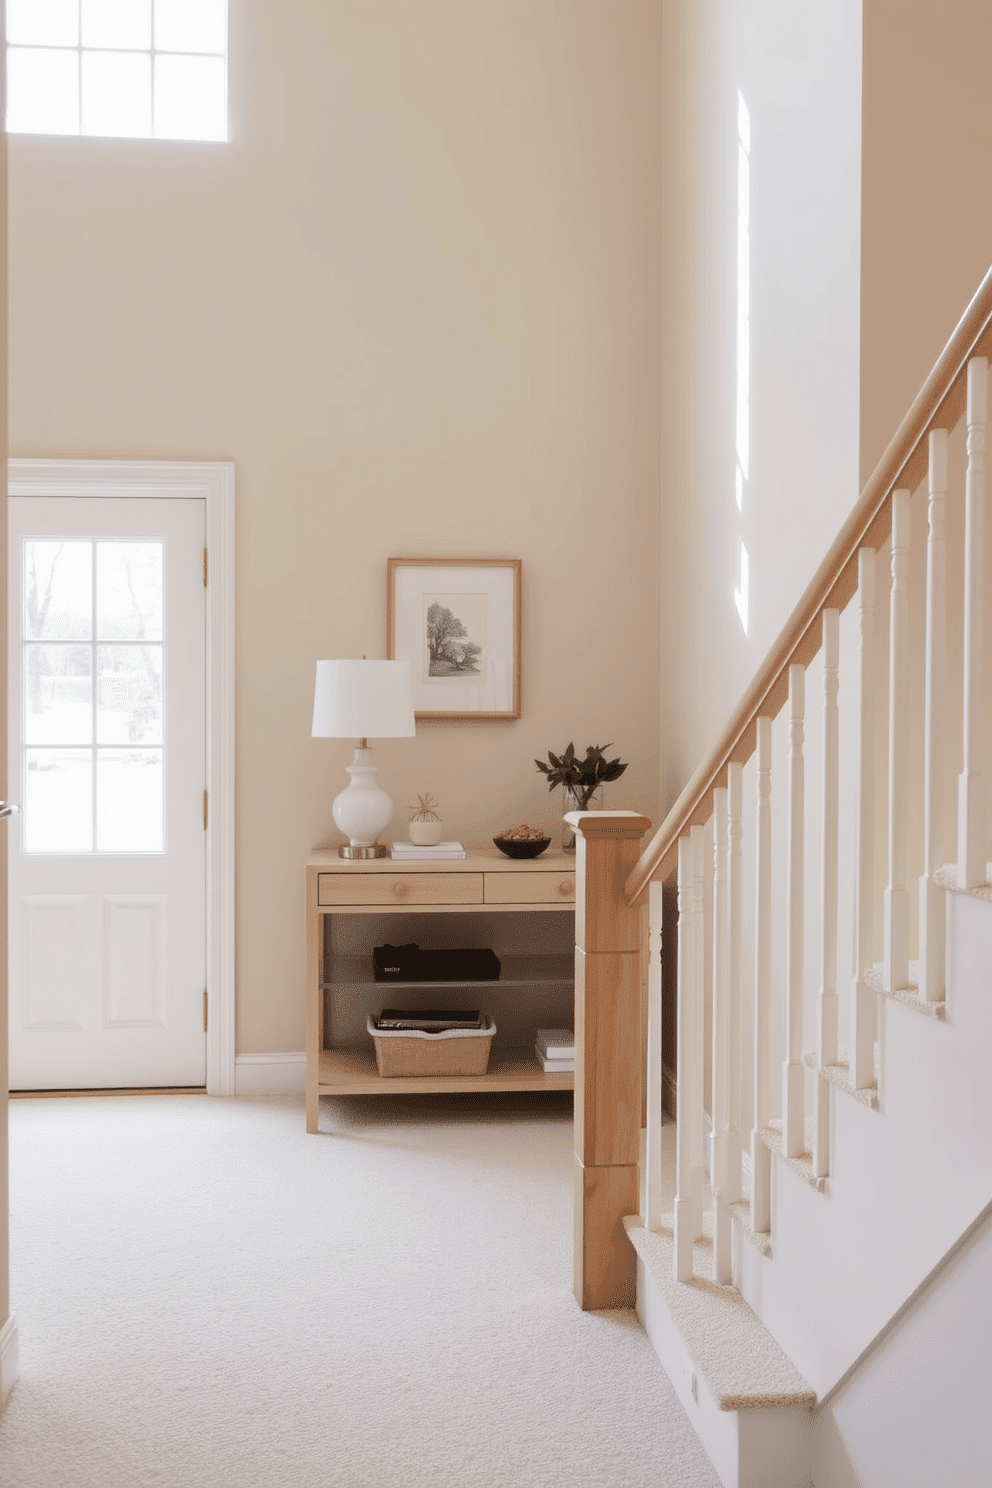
(522, 847)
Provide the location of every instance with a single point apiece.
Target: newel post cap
(608, 825)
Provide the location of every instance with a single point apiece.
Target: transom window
(143, 69)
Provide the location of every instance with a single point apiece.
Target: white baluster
(718, 1083)
(698, 1047)
(761, 1171)
(895, 967)
(932, 906)
(971, 802)
(793, 1073)
(684, 1232)
(827, 1000)
(863, 999)
(652, 1200)
(735, 884)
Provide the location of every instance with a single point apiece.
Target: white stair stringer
(906, 1179)
(750, 1407)
(913, 1411)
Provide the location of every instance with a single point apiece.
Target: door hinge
(204, 568)
(204, 811)
(204, 1009)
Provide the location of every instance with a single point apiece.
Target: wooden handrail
(940, 403)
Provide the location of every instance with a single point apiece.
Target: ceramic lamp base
(363, 809)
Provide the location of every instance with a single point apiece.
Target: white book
(556, 1043)
(444, 851)
(554, 1066)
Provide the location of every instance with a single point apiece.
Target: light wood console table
(485, 881)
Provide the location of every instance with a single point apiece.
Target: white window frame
(212, 482)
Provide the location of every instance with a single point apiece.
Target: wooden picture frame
(457, 622)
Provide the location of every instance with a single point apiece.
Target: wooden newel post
(608, 1074)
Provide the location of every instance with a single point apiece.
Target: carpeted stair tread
(947, 878)
(740, 1213)
(743, 1366)
(909, 995)
(839, 1074)
(802, 1166)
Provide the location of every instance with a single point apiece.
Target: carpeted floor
(207, 1296)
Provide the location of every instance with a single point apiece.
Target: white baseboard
(8, 1358)
(269, 1074)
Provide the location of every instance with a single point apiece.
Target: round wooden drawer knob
(400, 890)
(566, 889)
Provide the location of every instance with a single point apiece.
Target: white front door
(107, 907)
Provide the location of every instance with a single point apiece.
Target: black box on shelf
(408, 963)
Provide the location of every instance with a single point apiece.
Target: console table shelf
(353, 1072)
(515, 971)
(483, 883)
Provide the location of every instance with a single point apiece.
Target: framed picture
(457, 622)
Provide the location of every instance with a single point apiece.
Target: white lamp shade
(363, 700)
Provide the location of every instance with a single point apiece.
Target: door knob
(7, 808)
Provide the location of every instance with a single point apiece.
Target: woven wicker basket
(457, 1051)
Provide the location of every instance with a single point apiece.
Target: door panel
(106, 730)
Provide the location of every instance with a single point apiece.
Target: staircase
(812, 1251)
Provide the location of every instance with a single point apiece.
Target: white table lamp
(363, 700)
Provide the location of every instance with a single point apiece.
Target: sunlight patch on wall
(743, 439)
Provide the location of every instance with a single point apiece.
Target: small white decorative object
(425, 825)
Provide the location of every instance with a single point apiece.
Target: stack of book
(555, 1050)
(407, 852)
(429, 1020)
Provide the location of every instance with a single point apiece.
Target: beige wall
(417, 300)
(4, 1187)
(798, 68)
(926, 238)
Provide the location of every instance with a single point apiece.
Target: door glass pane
(129, 591)
(58, 694)
(129, 696)
(129, 800)
(58, 800)
(61, 699)
(58, 590)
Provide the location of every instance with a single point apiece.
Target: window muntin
(142, 69)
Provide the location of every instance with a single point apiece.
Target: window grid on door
(92, 683)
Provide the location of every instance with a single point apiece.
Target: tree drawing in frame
(455, 635)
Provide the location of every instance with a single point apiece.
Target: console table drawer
(530, 888)
(399, 888)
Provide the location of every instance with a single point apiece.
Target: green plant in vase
(580, 779)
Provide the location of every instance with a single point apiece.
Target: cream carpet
(207, 1296)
